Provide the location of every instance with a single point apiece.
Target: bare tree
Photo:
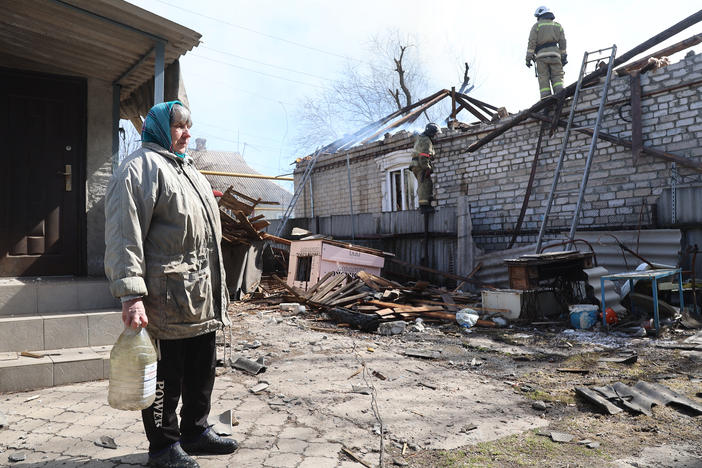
(389, 81)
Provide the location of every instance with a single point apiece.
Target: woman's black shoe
(209, 443)
(172, 457)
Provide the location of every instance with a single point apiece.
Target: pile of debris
(363, 300)
(239, 225)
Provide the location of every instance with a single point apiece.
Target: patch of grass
(540, 395)
(477, 348)
(526, 449)
(507, 339)
(582, 361)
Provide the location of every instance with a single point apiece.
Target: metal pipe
(116, 89)
(159, 65)
(247, 176)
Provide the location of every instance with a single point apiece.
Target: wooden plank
(448, 316)
(331, 284)
(670, 50)
(385, 282)
(473, 110)
(348, 299)
(245, 197)
(244, 223)
(336, 289)
(408, 117)
(262, 224)
(358, 248)
(366, 278)
(411, 309)
(314, 288)
(342, 291)
(279, 240)
(296, 294)
(228, 200)
(385, 312)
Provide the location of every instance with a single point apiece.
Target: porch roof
(110, 40)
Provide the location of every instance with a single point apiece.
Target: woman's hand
(134, 314)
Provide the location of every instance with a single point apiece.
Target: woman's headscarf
(157, 126)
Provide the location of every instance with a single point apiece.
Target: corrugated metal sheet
(493, 270)
(61, 34)
(657, 246)
(688, 209)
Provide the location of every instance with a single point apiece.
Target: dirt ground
(473, 402)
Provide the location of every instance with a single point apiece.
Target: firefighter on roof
(547, 47)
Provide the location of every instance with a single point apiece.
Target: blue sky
(259, 59)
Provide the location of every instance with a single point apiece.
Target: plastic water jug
(132, 371)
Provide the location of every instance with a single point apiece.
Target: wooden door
(42, 122)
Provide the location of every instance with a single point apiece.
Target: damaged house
(493, 179)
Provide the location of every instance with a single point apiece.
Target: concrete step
(60, 331)
(53, 294)
(55, 367)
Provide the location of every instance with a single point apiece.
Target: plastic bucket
(583, 316)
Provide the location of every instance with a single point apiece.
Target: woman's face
(180, 135)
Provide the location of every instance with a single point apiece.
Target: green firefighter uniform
(422, 167)
(547, 47)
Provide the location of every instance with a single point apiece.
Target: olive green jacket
(162, 236)
(422, 155)
(546, 31)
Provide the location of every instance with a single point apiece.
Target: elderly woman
(164, 261)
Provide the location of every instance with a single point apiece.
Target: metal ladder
(593, 143)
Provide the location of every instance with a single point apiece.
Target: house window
(403, 190)
(398, 184)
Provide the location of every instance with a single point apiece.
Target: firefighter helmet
(431, 129)
(541, 11)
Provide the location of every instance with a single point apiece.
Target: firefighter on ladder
(547, 47)
(422, 166)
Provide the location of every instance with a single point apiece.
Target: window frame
(389, 164)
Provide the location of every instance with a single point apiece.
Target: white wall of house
(98, 170)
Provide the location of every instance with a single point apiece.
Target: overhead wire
(230, 87)
(256, 71)
(251, 30)
(263, 63)
(232, 129)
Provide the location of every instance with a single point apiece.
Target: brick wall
(619, 194)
